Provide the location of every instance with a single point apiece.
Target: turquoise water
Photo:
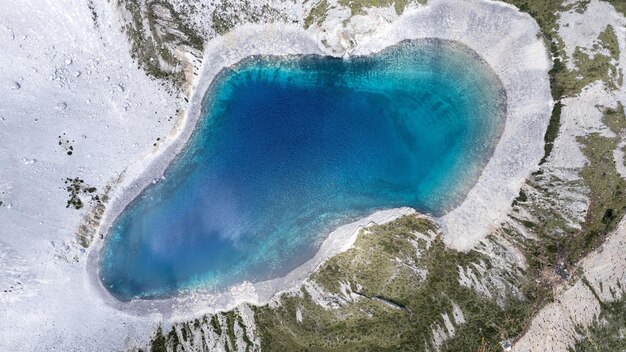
(289, 148)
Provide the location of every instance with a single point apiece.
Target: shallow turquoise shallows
(289, 148)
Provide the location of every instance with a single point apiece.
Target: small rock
(61, 106)
(14, 85)
(77, 74)
(119, 88)
(68, 61)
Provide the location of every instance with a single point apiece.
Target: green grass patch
(159, 341)
(151, 43)
(608, 332)
(558, 241)
(609, 40)
(230, 329)
(357, 7)
(317, 14)
(607, 187)
(564, 82)
(372, 270)
(619, 5)
(228, 14)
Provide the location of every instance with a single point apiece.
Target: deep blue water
(291, 147)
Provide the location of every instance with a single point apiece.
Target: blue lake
(289, 148)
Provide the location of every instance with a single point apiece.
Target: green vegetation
(159, 342)
(540, 209)
(608, 332)
(590, 66)
(175, 23)
(66, 144)
(224, 18)
(77, 187)
(600, 175)
(398, 307)
(230, 330)
(246, 338)
(371, 255)
(610, 42)
(560, 245)
(581, 6)
(546, 13)
(357, 6)
(317, 14)
(151, 44)
(590, 69)
(552, 131)
(564, 82)
(191, 335)
(619, 5)
(399, 283)
(406, 280)
(215, 325)
(606, 185)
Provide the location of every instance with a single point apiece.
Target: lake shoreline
(516, 154)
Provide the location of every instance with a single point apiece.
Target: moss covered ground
(589, 67)
(397, 308)
(317, 14)
(153, 29)
(608, 331)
